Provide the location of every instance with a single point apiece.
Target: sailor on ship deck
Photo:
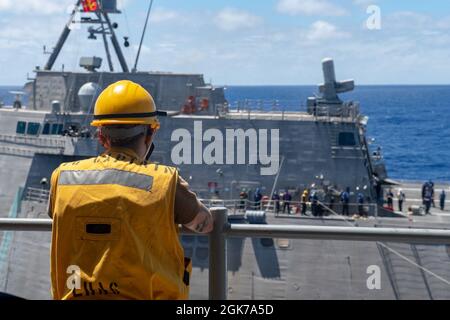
(116, 216)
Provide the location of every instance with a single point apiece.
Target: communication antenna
(45, 51)
(142, 37)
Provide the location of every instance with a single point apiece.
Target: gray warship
(323, 147)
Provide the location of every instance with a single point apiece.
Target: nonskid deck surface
(413, 192)
(434, 221)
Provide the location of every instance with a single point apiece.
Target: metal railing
(29, 151)
(346, 112)
(47, 142)
(256, 105)
(37, 194)
(223, 229)
(277, 207)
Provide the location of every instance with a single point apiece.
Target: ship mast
(62, 39)
(142, 36)
(105, 41)
(105, 28)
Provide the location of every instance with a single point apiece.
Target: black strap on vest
(186, 275)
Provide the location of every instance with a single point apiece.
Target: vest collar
(129, 153)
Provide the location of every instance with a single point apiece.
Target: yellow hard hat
(125, 102)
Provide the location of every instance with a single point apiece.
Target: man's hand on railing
(203, 221)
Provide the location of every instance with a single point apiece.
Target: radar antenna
(330, 88)
(100, 8)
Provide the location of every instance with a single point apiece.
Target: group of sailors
(74, 131)
(260, 200)
(325, 200)
(320, 201)
(427, 195)
(401, 197)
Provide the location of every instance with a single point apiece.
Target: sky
(246, 42)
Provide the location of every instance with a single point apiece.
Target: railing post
(376, 210)
(218, 255)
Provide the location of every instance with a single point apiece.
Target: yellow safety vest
(114, 235)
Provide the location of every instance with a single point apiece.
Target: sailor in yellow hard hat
(303, 201)
(115, 216)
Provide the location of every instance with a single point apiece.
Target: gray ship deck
(413, 191)
(232, 115)
(272, 115)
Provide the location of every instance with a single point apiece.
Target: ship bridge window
(57, 128)
(346, 139)
(33, 128)
(21, 126)
(46, 129)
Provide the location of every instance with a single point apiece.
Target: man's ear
(148, 139)
(102, 139)
(150, 134)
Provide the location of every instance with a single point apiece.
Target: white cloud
(412, 47)
(414, 25)
(322, 30)
(166, 45)
(443, 23)
(43, 7)
(34, 6)
(409, 18)
(162, 15)
(34, 33)
(230, 19)
(122, 4)
(144, 49)
(310, 7)
(364, 2)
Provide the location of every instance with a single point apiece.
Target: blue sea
(410, 123)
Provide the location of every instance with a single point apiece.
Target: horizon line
(300, 85)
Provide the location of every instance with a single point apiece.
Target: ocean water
(410, 123)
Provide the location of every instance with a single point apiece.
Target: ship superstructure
(220, 151)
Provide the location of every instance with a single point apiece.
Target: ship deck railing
(40, 195)
(240, 206)
(280, 110)
(38, 141)
(223, 229)
(237, 207)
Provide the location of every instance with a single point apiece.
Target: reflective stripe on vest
(107, 176)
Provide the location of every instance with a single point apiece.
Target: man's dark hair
(118, 134)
